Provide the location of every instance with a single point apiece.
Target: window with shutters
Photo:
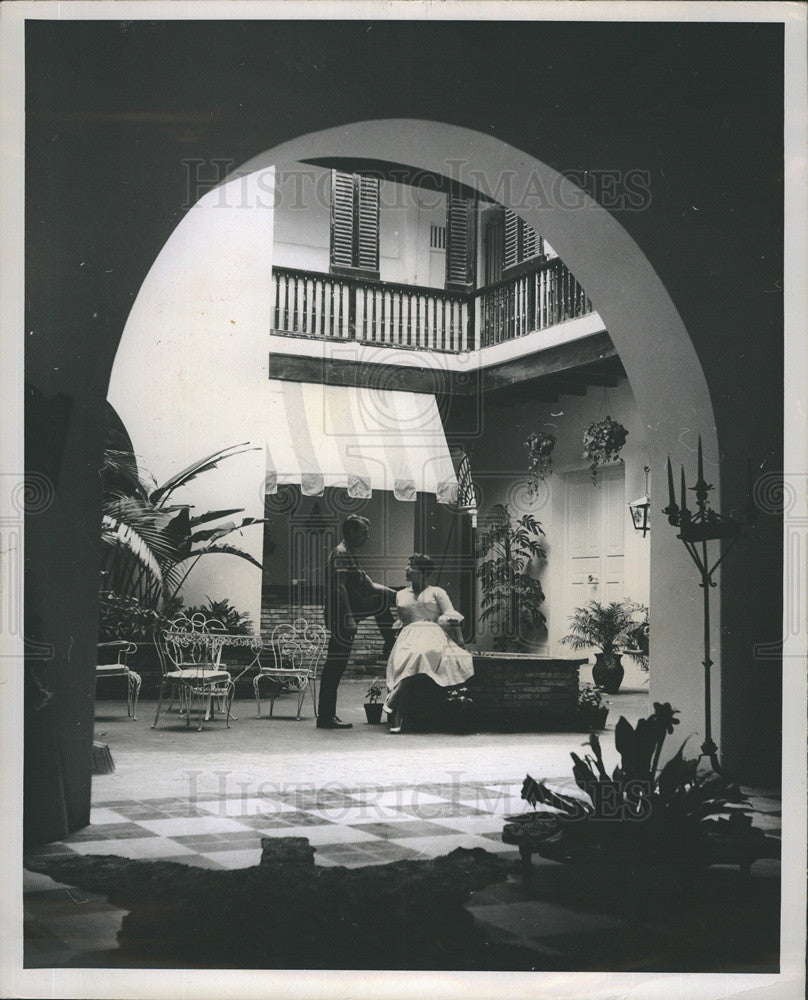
(521, 242)
(354, 224)
(461, 242)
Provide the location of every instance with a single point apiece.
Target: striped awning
(361, 439)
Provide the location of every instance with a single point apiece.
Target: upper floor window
(461, 242)
(355, 223)
(521, 242)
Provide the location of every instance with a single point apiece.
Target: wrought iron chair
(191, 668)
(119, 668)
(296, 653)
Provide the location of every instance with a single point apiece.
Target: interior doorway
(595, 530)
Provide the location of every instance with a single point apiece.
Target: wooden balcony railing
(319, 305)
(313, 304)
(536, 299)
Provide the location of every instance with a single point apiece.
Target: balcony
(346, 308)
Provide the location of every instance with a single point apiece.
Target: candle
(701, 463)
(671, 495)
(684, 490)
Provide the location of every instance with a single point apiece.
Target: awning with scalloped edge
(361, 439)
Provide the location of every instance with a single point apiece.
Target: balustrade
(342, 307)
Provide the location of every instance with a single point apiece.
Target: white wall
(499, 465)
(303, 226)
(190, 375)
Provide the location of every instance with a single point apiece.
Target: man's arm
(343, 618)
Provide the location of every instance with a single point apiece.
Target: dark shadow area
(289, 913)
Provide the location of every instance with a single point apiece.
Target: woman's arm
(450, 620)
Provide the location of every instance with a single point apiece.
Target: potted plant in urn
(605, 626)
(593, 709)
(373, 704)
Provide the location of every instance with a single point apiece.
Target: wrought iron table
(194, 657)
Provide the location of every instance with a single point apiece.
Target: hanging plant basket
(539, 458)
(603, 442)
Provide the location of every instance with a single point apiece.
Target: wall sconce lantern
(640, 509)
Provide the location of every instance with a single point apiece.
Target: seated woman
(430, 642)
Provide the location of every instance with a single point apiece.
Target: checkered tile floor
(352, 827)
(348, 827)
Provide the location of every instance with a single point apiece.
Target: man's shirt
(344, 571)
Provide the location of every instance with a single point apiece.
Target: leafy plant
(639, 811)
(637, 638)
(511, 595)
(459, 696)
(122, 617)
(149, 545)
(374, 692)
(603, 442)
(234, 622)
(539, 458)
(604, 625)
(591, 698)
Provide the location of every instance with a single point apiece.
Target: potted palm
(373, 704)
(605, 626)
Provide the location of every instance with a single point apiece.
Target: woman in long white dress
(430, 639)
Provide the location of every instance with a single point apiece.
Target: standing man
(350, 596)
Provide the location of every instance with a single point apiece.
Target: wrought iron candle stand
(696, 529)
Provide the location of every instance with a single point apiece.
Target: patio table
(203, 670)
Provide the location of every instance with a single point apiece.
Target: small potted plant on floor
(605, 626)
(373, 704)
(593, 709)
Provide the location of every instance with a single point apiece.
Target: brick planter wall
(367, 646)
(521, 690)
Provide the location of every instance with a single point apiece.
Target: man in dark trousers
(351, 596)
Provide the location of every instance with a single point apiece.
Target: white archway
(213, 274)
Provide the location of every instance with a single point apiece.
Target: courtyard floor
(361, 796)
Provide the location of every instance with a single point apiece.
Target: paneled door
(595, 532)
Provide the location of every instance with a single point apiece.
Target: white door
(431, 246)
(596, 514)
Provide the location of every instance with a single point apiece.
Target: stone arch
(657, 353)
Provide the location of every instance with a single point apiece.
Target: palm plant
(150, 545)
(603, 625)
(511, 595)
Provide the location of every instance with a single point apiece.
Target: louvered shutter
(511, 253)
(532, 243)
(367, 243)
(342, 219)
(460, 240)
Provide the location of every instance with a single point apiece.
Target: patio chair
(119, 668)
(296, 653)
(191, 669)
